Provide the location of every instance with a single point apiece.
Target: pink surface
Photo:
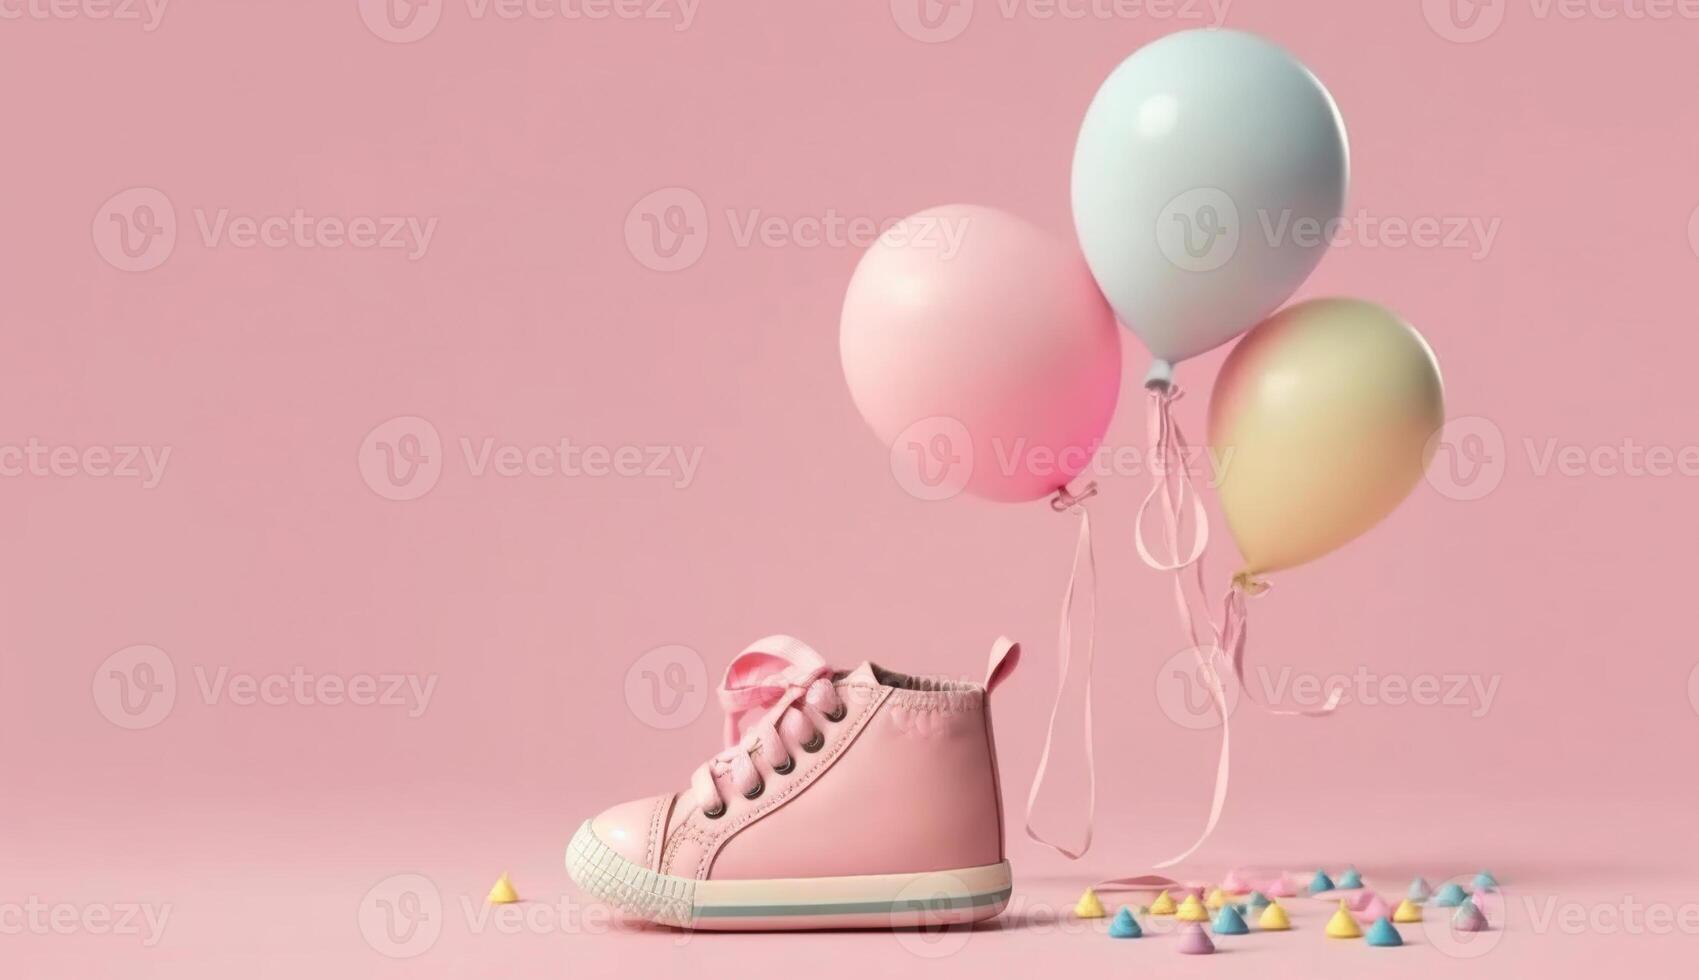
(395, 627)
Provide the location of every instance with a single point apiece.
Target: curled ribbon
(769, 671)
(1065, 502)
(1226, 642)
(1234, 623)
(1171, 480)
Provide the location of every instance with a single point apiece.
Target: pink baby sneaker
(861, 798)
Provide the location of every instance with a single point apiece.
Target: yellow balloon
(1323, 418)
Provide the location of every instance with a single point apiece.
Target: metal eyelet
(840, 714)
(816, 743)
(717, 812)
(756, 791)
(789, 765)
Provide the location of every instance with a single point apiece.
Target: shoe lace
(776, 695)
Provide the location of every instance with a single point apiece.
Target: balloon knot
(1248, 583)
(1065, 501)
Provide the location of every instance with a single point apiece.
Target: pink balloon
(979, 349)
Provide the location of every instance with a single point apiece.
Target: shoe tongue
(862, 675)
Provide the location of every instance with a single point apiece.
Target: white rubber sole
(932, 898)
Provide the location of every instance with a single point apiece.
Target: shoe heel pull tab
(1005, 657)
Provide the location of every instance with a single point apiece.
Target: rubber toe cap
(634, 830)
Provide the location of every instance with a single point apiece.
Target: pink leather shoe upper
(905, 781)
(915, 793)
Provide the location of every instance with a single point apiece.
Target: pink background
(533, 316)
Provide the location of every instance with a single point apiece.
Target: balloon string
(1230, 642)
(1067, 502)
(1171, 484)
(1235, 622)
(1212, 681)
(1171, 481)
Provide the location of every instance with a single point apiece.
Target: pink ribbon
(1171, 480)
(1172, 483)
(1234, 630)
(1065, 502)
(1230, 646)
(769, 671)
